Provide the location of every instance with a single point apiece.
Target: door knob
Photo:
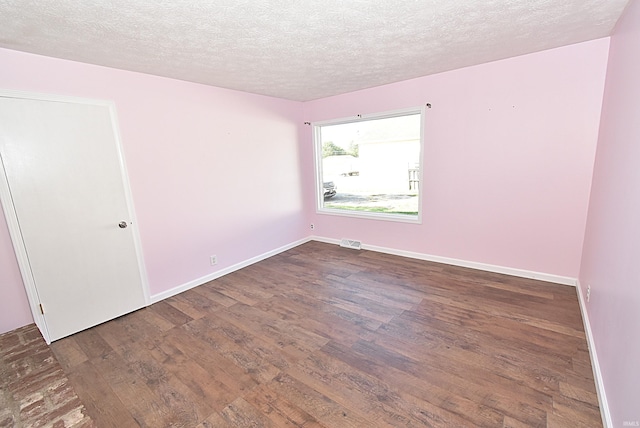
(122, 224)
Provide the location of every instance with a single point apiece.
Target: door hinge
(41, 309)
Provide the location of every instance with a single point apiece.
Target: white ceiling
(298, 49)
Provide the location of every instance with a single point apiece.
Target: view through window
(370, 166)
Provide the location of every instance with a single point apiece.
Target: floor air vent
(348, 243)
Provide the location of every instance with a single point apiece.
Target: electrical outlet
(588, 292)
(214, 260)
(312, 226)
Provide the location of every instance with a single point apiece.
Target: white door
(65, 195)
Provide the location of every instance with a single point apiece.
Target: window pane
(371, 166)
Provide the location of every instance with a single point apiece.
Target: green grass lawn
(387, 210)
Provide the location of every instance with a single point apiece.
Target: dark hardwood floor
(322, 336)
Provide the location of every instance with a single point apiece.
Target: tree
(354, 149)
(330, 149)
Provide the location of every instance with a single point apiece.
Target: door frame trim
(12, 218)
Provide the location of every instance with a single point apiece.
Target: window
(370, 166)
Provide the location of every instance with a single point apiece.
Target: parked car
(330, 189)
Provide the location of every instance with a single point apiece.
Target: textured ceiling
(298, 49)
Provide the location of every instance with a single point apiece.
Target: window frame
(317, 153)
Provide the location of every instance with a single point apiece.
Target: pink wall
(213, 171)
(14, 306)
(508, 159)
(509, 151)
(611, 259)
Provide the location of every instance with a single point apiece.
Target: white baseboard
(202, 280)
(420, 256)
(597, 374)
(564, 280)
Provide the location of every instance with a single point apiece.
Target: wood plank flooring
(323, 336)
